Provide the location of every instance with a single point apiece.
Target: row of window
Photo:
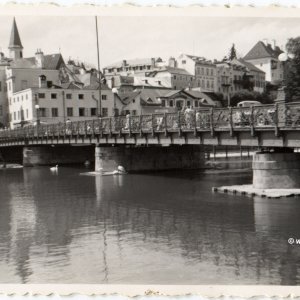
(172, 103)
(186, 78)
(208, 85)
(205, 71)
(68, 96)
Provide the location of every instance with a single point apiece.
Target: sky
(139, 37)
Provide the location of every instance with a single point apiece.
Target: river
(166, 228)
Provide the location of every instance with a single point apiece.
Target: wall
(64, 154)
(135, 159)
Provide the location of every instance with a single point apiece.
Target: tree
(243, 95)
(292, 69)
(232, 53)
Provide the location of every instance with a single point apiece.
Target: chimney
(42, 81)
(39, 58)
(172, 62)
(124, 65)
(152, 62)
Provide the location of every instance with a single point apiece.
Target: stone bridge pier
(143, 158)
(276, 170)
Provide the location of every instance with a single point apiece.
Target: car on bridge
(248, 103)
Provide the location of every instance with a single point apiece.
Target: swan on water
(54, 168)
(121, 169)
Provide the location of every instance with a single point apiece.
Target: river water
(166, 228)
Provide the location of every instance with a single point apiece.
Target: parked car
(248, 103)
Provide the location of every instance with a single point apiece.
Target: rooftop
(261, 50)
(134, 62)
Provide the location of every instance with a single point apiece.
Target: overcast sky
(133, 37)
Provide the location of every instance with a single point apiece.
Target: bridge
(274, 127)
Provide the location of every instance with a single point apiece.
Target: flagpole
(98, 56)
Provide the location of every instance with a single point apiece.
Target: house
(174, 78)
(203, 70)
(264, 56)
(150, 101)
(58, 103)
(137, 67)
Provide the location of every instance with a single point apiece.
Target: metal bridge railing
(274, 116)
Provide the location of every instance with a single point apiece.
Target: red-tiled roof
(260, 50)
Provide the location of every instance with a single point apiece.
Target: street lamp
(37, 108)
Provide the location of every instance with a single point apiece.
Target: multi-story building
(173, 77)
(4, 62)
(58, 103)
(133, 67)
(264, 56)
(203, 70)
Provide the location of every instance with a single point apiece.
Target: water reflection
(166, 228)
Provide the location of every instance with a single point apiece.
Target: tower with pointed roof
(15, 46)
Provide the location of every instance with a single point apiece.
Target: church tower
(15, 46)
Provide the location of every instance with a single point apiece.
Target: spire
(15, 41)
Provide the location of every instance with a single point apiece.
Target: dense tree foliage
(292, 70)
(244, 95)
(232, 53)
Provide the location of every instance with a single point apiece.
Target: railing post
(152, 124)
(100, 127)
(195, 124)
(165, 123)
(276, 129)
(252, 122)
(230, 122)
(212, 131)
(179, 124)
(140, 125)
(129, 127)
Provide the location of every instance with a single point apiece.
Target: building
(264, 56)
(58, 103)
(133, 67)
(44, 88)
(203, 70)
(4, 62)
(149, 101)
(173, 77)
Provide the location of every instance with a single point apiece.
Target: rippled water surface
(166, 228)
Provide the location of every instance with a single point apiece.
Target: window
(183, 62)
(163, 103)
(49, 84)
(42, 95)
(70, 111)
(188, 103)
(104, 112)
(212, 72)
(18, 114)
(104, 97)
(24, 84)
(15, 115)
(171, 103)
(69, 96)
(42, 112)
(80, 96)
(134, 112)
(196, 103)
(0, 86)
(174, 76)
(27, 115)
(9, 85)
(81, 111)
(93, 111)
(53, 96)
(26, 96)
(54, 112)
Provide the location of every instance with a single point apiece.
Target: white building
(265, 57)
